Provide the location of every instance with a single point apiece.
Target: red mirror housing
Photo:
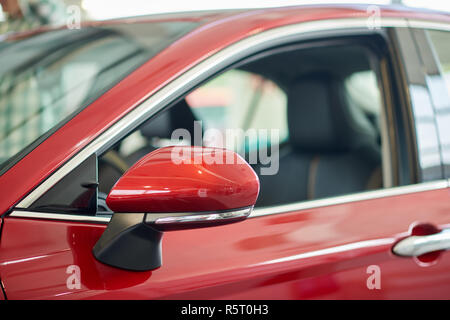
(186, 179)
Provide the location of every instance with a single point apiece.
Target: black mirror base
(128, 243)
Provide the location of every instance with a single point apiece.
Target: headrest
(321, 118)
(178, 116)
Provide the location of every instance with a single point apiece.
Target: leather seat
(333, 148)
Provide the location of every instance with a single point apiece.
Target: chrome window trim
(58, 216)
(354, 197)
(158, 100)
(424, 24)
(259, 212)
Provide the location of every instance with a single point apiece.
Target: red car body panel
(320, 253)
(313, 253)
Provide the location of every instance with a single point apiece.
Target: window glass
(362, 92)
(441, 43)
(324, 106)
(440, 94)
(240, 100)
(362, 88)
(49, 76)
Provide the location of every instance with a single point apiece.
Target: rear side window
(45, 79)
(440, 84)
(441, 43)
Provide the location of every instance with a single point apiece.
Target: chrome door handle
(414, 246)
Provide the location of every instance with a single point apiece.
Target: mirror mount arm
(129, 243)
(132, 241)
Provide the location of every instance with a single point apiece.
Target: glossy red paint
(320, 253)
(186, 179)
(218, 31)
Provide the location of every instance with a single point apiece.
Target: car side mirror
(173, 188)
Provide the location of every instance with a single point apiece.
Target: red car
(114, 136)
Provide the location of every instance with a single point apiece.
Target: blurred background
(20, 15)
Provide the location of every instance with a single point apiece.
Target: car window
(240, 100)
(310, 129)
(363, 89)
(363, 92)
(308, 122)
(48, 77)
(440, 41)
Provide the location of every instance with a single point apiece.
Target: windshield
(47, 78)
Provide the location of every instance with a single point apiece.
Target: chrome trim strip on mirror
(414, 246)
(199, 218)
(259, 212)
(198, 73)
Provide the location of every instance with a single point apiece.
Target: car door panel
(317, 253)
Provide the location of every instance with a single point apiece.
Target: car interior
(333, 146)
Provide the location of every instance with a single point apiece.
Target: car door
(339, 247)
